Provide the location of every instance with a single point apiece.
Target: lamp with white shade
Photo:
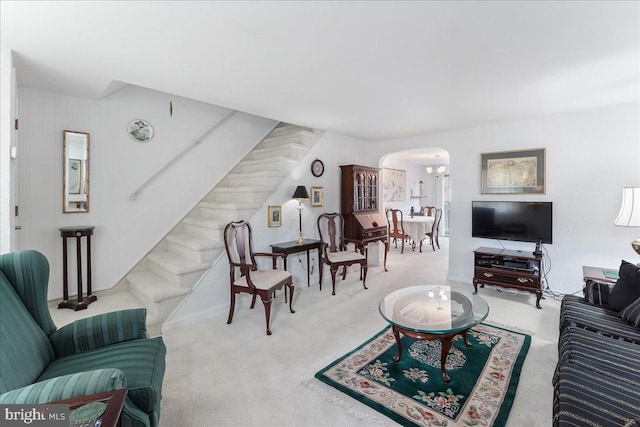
(629, 215)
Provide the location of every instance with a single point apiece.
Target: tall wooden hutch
(363, 223)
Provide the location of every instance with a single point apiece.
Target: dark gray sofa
(597, 379)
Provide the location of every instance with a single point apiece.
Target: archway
(425, 173)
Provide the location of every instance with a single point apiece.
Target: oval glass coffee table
(433, 312)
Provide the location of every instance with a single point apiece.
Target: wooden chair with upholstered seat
(396, 227)
(262, 283)
(334, 249)
(433, 234)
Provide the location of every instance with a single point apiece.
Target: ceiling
(374, 70)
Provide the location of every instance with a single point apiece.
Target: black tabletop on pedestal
(83, 229)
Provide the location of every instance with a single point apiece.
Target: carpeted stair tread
(229, 206)
(194, 242)
(286, 139)
(176, 264)
(243, 208)
(153, 287)
(243, 189)
(272, 161)
(277, 146)
(205, 222)
(235, 176)
(253, 174)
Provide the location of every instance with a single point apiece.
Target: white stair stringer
(163, 278)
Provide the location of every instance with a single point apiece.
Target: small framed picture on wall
(317, 197)
(274, 216)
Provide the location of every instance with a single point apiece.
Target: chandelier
(438, 169)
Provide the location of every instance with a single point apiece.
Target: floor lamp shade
(300, 194)
(629, 215)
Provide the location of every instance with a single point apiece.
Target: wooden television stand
(508, 269)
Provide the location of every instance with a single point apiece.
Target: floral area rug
(484, 377)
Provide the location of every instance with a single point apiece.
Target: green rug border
(505, 408)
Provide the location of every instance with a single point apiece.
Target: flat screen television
(519, 221)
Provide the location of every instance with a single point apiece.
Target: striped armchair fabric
(40, 364)
(597, 379)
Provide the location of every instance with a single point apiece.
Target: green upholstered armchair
(40, 363)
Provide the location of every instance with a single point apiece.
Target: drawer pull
(488, 274)
(524, 280)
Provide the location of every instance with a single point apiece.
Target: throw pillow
(631, 313)
(627, 288)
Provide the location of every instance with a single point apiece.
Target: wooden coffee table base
(445, 339)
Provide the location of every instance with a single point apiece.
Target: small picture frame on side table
(317, 197)
(274, 218)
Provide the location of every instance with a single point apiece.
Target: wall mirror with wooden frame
(75, 158)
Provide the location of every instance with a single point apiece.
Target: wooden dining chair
(334, 249)
(428, 210)
(435, 227)
(251, 280)
(396, 227)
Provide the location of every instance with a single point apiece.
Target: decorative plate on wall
(140, 130)
(317, 167)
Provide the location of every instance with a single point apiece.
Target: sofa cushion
(576, 311)
(99, 331)
(605, 355)
(25, 350)
(627, 287)
(631, 313)
(142, 361)
(583, 397)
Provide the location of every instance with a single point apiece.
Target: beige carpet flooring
(235, 375)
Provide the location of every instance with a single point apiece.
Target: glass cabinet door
(360, 193)
(373, 191)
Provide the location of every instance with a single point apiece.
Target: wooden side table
(82, 301)
(598, 283)
(114, 400)
(287, 248)
(598, 274)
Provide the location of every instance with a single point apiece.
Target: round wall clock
(140, 130)
(317, 167)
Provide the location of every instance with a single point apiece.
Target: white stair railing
(138, 191)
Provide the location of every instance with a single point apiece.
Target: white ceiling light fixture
(438, 169)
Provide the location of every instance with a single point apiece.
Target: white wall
(590, 156)
(7, 116)
(125, 230)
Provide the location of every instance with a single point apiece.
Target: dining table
(417, 226)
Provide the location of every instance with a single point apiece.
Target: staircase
(167, 274)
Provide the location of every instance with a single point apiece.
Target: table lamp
(629, 215)
(300, 194)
